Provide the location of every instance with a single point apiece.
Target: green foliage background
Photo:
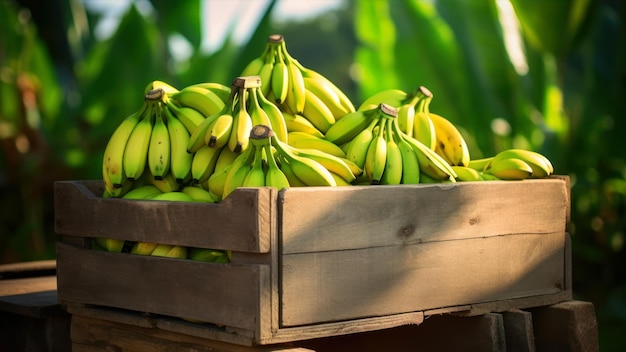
(63, 91)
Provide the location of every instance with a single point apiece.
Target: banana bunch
(299, 91)
(512, 164)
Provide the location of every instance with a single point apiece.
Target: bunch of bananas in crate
(283, 125)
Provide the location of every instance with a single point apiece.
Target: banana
(110, 244)
(304, 140)
(136, 151)
(294, 181)
(327, 93)
(142, 192)
(113, 159)
(254, 67)
(280, 78)
(180, 159)
(343, 98)
(203, 100)
(423, 127)
(190, 117)
(358, 146)
(297, 123)
(143, 248)
(242, 125)
(450, 143)
(392, 97)
(199, 194)
(479, 164)
(542, 167)
(317, 112)
(307, 170)
(346, 128)
(196, 139)
(410, 163)
(406, 118)
(169, 251)
(173, 196)
(237, 172)
(466, 174)
(509, 169)
(166, 87)
(159, 147)
(203, 163)
(392, 174)
(218, 132)
(167, 184)
(274, 176)
(256, 175)
(376, 156)
(222, 91)
(225, 158)
(266, 75)
(332, 163)
(275, 116)
(295, 97)
(257, 114)
(205, 254)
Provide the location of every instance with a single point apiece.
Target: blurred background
(548, 76)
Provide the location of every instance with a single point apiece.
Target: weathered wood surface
(518, 331)
(241, 222)
(228, 294)
(337, 285)
(317, 219)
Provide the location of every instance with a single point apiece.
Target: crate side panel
(339, 285)
(324, 219)
(225, 294)
(240, 222)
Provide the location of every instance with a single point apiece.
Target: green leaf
(182, 17)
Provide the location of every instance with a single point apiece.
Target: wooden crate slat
(324, 219)
(219, 293)
(337, 285)
(241, 222)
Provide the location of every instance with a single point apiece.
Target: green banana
(136, 151)
(180, 159)
(159, 148)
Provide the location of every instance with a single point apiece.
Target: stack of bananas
(311, 101)
(283, 125)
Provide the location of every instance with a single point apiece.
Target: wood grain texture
(316, 219)
(227, 294)
(337, 285)
(240, 222)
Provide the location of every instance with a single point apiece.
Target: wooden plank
(316, 219)
(339, 285)
(518, 331)
(240, 222)
(225, 294)
(566, 326)
(89, 334)
(27, 269)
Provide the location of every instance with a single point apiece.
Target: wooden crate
(319, 261)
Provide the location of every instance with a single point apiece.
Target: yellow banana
(225, 158)
(297, 123)
(142, 192)
(509, 169)
(542, 167)
(136, 151)
(203, 163)
(143, 248)
(307, 170)
(410, 163)
(317, 112)
(392, 174)
(423, 128)
(166, 87)
(253, 67)
(173, 196)
(294, 181)
(201, 99)
(392, 97)
(256, 175)
(332, 163)
(466, 174)
(237, 172)
(218, 132)
(110, 244)
(196, 139)
(199, 194)
(450, 143)
(242, 125)
(222, 91)
(376, 156)
(304, 140)
(327, 93)
(280, 78)
(346, 128)
(180, 159)
(189, 117)
(343, 98)
(406, 118)
(274, 176)
(295, 97)
(275, 116)
(166, 250)
(113, 159)
(167, 184)
(358, 146)
(159, 148)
